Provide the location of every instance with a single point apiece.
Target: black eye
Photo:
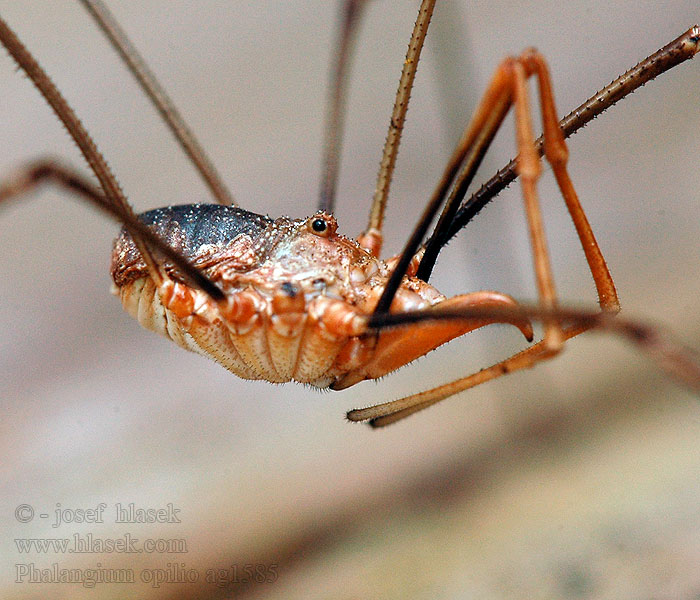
(319, 225)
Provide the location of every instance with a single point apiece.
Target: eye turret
(322, 225)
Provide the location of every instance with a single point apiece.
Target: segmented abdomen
(273, 349)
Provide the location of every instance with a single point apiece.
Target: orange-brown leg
(676, 360)
(557, 155)
(530, 63)
(381, 415)
(529, 169)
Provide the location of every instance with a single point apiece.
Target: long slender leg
(26, 179)
(372, 237)
(675, 359)
(511, 79)
(672, 54)
(557, 155)
(148, 82)
(529, 168)
(478, 133)
(672, 357)
(470, 165)
(87, 146)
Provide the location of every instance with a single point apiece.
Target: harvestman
(289, 299)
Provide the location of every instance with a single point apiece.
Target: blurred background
(579, 479)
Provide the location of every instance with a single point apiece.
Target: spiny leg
(502, 91)
(33, 175)
(371, 239)
(75, 128)
(671, 356)
(509, 86)
(469, 150)
(683, 48)
(488, 126)
(113, 201)
(148, 82)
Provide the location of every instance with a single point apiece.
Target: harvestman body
(293, 300)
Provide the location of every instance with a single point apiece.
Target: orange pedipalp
(398, 347)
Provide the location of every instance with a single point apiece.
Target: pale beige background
(581, 477)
